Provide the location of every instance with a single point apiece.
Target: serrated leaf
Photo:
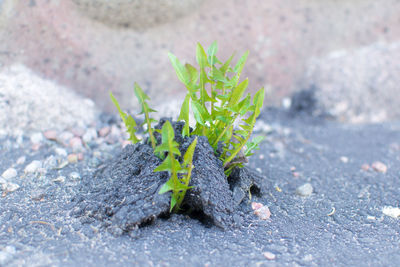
(225, 67)
(188, 157)
(184, 115)
(201, 57)
(212, 51)
(128, 120)
(180, 70)
(253, 145)
(200, 113)
(168, 186)
(193, 74)
(240, 64)
(166, 165)
(237, 93)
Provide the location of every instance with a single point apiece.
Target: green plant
(180, 175)
(217, 101)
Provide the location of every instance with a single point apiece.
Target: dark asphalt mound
(123, 194)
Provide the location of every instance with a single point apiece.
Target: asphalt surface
(340, 224)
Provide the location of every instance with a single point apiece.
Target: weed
(217, 101)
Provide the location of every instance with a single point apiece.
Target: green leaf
(173, 202)
(188, 157)
(180, 70)
(212, 51)
(201, 57)
(128, 120)
(253, 145)
(238, 92)
(200, 113)
(225, 67)
(168, 186)
(193, 74)
(240, 64)
(184, 115)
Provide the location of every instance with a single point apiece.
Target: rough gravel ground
(340, 224)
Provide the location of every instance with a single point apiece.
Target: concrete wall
(97, 46)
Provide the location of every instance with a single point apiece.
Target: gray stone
(359, 85)
(137, 14)
(33, 166)
(9, 173)
(305, 190)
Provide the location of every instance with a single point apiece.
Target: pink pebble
(104, 131)
(50, 134)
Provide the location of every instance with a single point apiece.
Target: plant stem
(233, 155)
(224, 131)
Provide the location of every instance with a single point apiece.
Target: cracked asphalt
(341, 223)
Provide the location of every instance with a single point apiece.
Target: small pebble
(286, 102)
(269, 255)
(393, 212)
(80, 156)
(344, 159)
(259, 170)
(261, 211)
(295, 174)
(50, 162)
(50, 135)
(72, 158)
(76, 144)
(293, 168)
(59, 179)
(78, 131)
(379, 167)
(261, 156)
(9, 173)
(104, 131)
(125, 143)
(9, 187)
(64, 137)
(75, 176)
(35, 147)
(60, 151)
(36, 138)
(33, 166)
(305, 190)
(21, 160)
(90, 135)
(365, 167)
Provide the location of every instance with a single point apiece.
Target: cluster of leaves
(217, 101)
(180, 174)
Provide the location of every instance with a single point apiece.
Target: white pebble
(59, 179)
(74, 175)
(269, 255)
(9, 173)
(10, 187)
(21, 160)
(60, 151)
(344, 159)
(391, 211)
(90, 135)
(33, 166)
(36, 138)
(305, 190)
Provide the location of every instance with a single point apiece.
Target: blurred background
(346, 52)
